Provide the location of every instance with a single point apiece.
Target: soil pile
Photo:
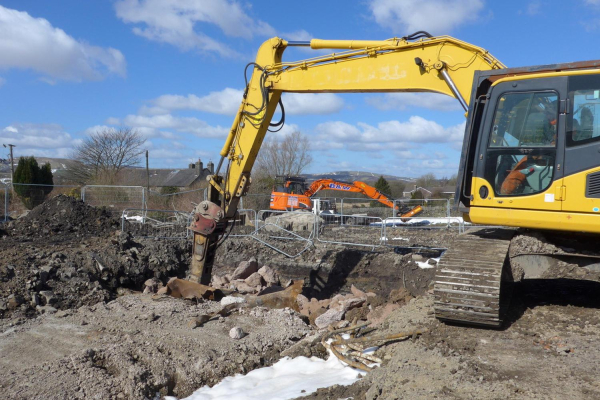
(66, 254)
(61, 216)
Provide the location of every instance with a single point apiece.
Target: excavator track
(469, 276)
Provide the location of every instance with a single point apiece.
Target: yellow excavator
(530, 156)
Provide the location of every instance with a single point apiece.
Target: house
(179, 178)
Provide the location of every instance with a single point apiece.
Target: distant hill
(350, 176)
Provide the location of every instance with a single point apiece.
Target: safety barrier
(163, 224)
(4, 192)
(186, 199)
(114, 198)
(351, 230)
(244, 224)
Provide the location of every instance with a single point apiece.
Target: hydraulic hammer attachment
(208, 226)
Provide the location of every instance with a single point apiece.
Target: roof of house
(162, 177)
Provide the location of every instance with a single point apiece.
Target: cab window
(522, 148)
(584, 122)
(525, 120)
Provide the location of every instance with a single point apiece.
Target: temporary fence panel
(114, 198)
(244, 224)
(255, 202)
(287, 232)
(24, 196)
(351, 230)
(184, 200)
(4, 199)
(164, 224)
(364, 206)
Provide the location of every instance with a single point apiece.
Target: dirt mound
(66, 254)
(63, 215)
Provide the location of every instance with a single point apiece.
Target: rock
(46, 309)
(269, 275)
(417, 257)
(225, 301)
(236, 333)
(243, 287)
(303, 304)
(218, 282)
(245, 269)
(297, 221)
(152, 285)
(270, 289)
(255, 280)
(379, 314)
(329, 317)
(357, 292)
(48, 297)
(14, 301)
(349, 304)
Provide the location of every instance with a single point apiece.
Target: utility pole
(147, 174)
(12, 161)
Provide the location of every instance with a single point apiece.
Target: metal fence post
(342, 207)
(83, 193)
(143, 198)
(5, 203)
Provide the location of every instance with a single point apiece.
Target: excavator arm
(354, 187)
(418, 63)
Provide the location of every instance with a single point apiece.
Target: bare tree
(427, 180)
(104, 153)
(289, 156)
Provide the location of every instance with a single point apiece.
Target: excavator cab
(288, 194)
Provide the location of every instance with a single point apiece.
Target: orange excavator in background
(293, 193)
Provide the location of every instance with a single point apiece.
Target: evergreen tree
(28, 176)
(383, 186)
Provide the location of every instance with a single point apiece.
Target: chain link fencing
(184, 200)
(114, 198)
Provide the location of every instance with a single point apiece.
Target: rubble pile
(66, 254)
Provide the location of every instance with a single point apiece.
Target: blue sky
(173, 70)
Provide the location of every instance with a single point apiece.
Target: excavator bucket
(405, 217)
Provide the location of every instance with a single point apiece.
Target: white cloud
(438, 17)
(299, 35)
(48, 140)
(176, 22)
(389, 135)
(312, 103)
(534, 7)
(33, 43)
(403, 101)
(281, 134)
(154, 126)
(225, 102)
(228, 100)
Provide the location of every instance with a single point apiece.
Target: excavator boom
(415, 63)
(529, 156)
